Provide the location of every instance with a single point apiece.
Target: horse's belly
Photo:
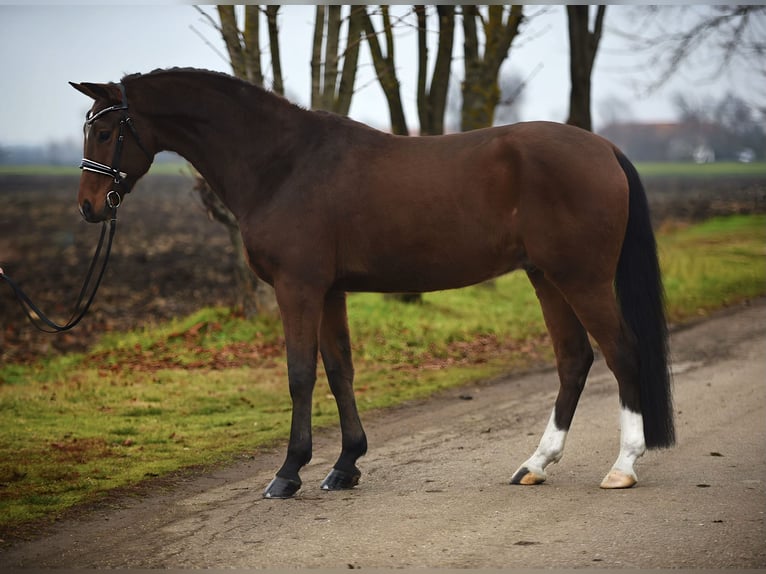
(431, 266)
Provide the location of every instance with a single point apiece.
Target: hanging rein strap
(38, 318)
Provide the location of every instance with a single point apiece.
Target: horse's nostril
(86, 209)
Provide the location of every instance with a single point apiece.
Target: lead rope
(33, 312)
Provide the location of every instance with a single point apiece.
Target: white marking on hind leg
(549, 450)
(632, 446)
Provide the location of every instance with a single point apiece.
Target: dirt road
(434, 490)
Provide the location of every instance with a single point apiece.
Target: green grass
(714, 264)
(208, 388)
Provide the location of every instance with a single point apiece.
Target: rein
(113, 201)
(38, 318)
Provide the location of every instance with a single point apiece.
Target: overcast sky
(42, 47)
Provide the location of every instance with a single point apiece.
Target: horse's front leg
(301, 309)
(335, 346)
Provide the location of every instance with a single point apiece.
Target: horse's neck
(228, 138)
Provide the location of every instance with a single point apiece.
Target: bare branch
(210, 20)
(736, 31)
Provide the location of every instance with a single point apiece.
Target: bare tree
(431, 93)
(432, 96)
(332, 87)
(508, 109)
(583, 45)
(277, 85)
(481, 92)
(383, 60)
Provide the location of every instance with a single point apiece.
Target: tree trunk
(384, 68)
(332, 87)
(230, 35)
(276, 58)
(255, 297)
(432, 100)
(583, 45)
(481, 92)
(350, 60)
(251, 45)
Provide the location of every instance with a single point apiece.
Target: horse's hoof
(282, 488)
(618, 479)
(527, 477)
(341, 480)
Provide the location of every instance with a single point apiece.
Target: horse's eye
(104, 135)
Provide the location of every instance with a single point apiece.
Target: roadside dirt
(434, 490)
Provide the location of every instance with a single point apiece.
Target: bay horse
(327, 205)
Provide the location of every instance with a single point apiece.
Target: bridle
(113, 198)
(113, 201)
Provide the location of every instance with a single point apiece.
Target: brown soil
(168, 260)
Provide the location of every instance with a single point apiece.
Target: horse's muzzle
(89, 214)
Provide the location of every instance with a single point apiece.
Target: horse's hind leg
(335, 346)
(596, 306)
(574, 357)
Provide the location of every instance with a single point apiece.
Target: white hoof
(618, 479)
(527, 477)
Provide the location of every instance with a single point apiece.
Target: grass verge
(705, 170)
(203, 390)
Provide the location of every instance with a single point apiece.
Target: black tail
(642, 302)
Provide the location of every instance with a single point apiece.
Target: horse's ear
(98, 91)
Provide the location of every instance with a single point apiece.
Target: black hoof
(282, 488)
(341, 480)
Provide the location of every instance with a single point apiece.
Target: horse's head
(115, 153)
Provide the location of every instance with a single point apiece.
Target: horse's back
(427, 213)
(446, 211)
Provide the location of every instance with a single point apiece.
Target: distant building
(703, 154)
(700, 142)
